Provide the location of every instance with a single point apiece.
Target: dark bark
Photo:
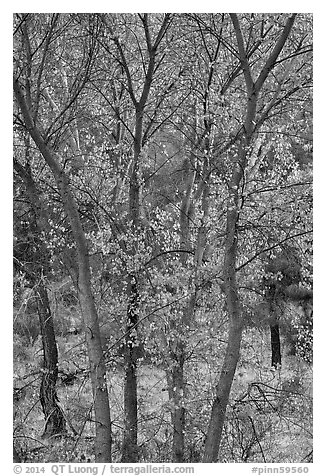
(54, 419)
(130, 447)
(276, 345)
(271, 298)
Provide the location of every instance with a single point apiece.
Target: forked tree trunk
(86, 299)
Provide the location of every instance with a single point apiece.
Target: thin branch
(271, 248)
(256, 437)
(242, 54)
(41, 68)
(134, 326)
(166, 253)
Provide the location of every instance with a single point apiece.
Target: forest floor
(268, 420)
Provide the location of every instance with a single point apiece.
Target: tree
(254, 119)
(149, 32)
(29, 101)
(35, 271)
(175, 149)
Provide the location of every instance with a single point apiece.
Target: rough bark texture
(271, 297)
(54, 419)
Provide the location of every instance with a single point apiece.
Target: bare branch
(272, 247)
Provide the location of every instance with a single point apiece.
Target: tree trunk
(54, 420)
(177, 352)
(223, 389)
(231, 358)
(92, 329)
(176, 393)
(232, 352)
(86, 299)
(130, 447)
(96, 362)
(271, 298)
(276, 346)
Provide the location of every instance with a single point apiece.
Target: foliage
(91, 82)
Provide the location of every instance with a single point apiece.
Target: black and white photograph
(162, 240)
